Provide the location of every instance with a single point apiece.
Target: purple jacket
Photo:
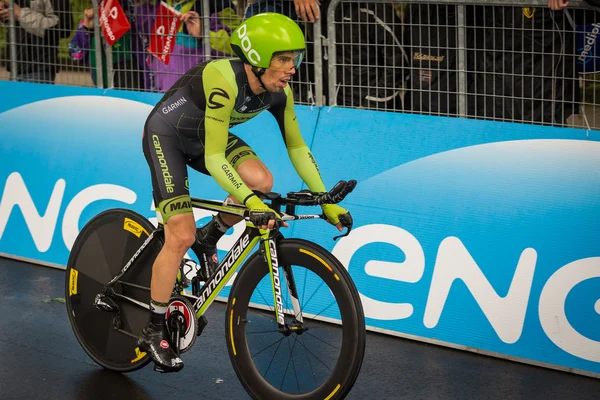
(187, 52)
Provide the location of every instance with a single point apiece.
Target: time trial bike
(294, 323)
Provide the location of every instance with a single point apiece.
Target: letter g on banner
(552, 313)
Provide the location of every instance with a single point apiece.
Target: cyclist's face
(283, 66)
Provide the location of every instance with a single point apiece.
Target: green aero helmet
(260, 36)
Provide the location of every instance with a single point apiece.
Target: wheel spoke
(313, 294)
(265, 301)
(264, 313)
(271, 331)
(273, 358)
(312, 371)
(303, 288)
(318, 338)
(291, 359)
(272, 344)
(314, 355)
(294, 364)
(323, 310)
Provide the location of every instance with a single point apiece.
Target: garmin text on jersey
(173, 106)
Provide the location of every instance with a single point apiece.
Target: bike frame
(232, 262)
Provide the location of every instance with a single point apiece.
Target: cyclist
(189, 126)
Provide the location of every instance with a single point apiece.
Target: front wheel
(319, 354)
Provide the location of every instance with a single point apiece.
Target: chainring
(181, 308)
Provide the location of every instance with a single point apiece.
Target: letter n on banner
(113, 21)
(166, 26)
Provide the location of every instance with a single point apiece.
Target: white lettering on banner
(506, 314)
(41, 227)
(553, 319)
(590, 40)
(70, 224)
(114, 12)
(169, 39)
(411, 270)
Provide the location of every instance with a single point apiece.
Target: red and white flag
(166, 26)
(113, 21)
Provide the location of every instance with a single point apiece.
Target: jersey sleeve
(220, 99)
(300, 155)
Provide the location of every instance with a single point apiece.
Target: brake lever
(347, 222)
(341, 236)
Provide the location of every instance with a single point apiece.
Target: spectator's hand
(5, 12)
(88, 18)
(557, 4)
(308, 10)
(192, 23)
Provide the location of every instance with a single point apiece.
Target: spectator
(557, 5)
(306, 10)
(370, 60)
(188, 50)
(189, 45)
(523, 65)
(128, 73)
(134, 67)
(40, 24)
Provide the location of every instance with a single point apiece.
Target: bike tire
(303, 256)
(100, 251)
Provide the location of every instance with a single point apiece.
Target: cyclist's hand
(261, 215)
(332, 215)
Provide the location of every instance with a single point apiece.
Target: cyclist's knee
(180, 232)
(265, 184)
(256, 176)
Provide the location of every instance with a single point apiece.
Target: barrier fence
(502, 60)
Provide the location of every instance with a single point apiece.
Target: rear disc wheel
(103, 247)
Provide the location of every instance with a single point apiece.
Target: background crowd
(521, 62)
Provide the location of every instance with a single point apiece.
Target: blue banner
(477, 234)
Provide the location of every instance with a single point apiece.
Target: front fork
(269, 251)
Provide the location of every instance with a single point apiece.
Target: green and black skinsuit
(189, 126)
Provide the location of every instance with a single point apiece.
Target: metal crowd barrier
(133, 74)
(501, 60)
(504, 60)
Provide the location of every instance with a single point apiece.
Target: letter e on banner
(113, 21)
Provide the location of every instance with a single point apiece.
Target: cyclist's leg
(255, 175)
(167, 163)
(252, 171)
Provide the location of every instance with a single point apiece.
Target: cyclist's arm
(299, 153)
(216, 125)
